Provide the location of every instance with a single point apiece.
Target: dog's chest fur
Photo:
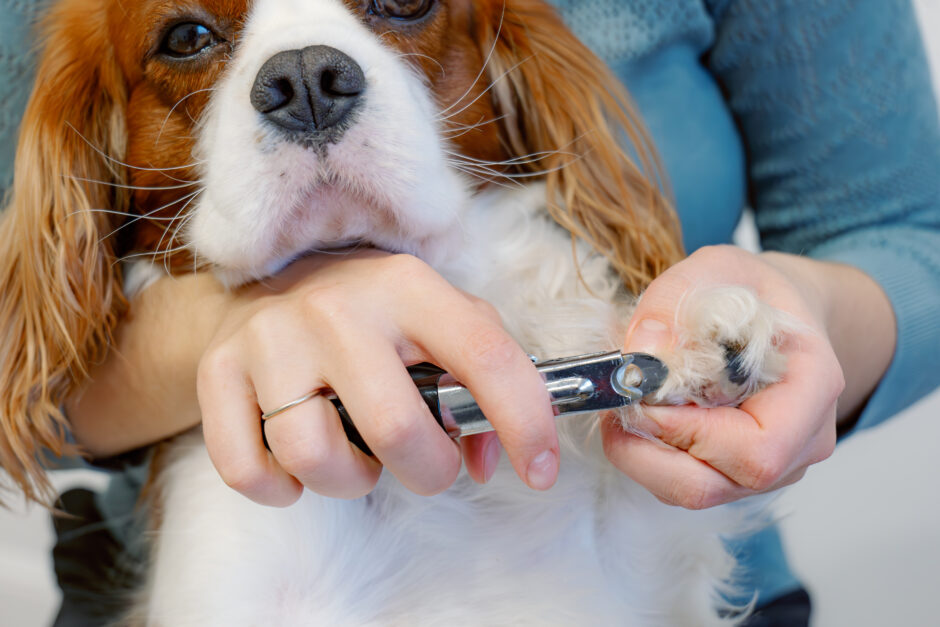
(596, 549)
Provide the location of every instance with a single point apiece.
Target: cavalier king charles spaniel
(168, 136)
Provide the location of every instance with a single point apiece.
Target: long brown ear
(555, 98)
(59, 284)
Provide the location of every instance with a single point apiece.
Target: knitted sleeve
(17, 20)
(834, 103)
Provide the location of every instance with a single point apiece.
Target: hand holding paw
(748, 345)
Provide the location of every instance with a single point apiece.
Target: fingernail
(649, 335)
(542, 471)
(490, 459)
(644, 422)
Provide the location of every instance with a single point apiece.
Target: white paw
(728, 347)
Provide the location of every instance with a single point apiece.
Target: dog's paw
(728, 346)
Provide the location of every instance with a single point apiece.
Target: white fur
(267, 200)
(597, 549)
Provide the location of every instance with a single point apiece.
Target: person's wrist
(810, 277)
(856, 316)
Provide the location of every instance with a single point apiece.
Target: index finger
(502, 379)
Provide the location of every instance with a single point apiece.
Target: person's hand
(700, 458)
(352, 323)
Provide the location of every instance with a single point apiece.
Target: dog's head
(237, 135)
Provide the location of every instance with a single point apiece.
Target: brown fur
(58, 279)
(103, 100)
(595, 190)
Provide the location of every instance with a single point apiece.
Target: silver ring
(294, 403)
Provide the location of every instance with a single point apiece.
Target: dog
(481, 137)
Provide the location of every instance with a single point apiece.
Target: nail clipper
(576, 385)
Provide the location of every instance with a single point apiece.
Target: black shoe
(790, 610)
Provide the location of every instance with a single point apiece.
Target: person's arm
(858, 319)
(350, 323)
(840, 126)
(145, 389)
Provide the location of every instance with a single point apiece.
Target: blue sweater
(819, 115)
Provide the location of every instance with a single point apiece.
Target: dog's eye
(401, 9)
(185, 40)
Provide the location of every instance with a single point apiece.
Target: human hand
(702, 457)
(352, 323)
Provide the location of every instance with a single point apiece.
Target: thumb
(651, 326)
(648, 335)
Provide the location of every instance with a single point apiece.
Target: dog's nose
(308, 91)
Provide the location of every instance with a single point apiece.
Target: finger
(673, 476)
(481, 455)
(231, 424)
(651, 326)
(652, 320)
(504, 382)
(393, 419)
(412, 352)
(776, 431)
(790, 480)
(308, 442)
(485, 308)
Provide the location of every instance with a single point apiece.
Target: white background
(862, 529)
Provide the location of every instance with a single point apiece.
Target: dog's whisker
(178, 229)
(173, 238)
(173, 108)
(486, 172)
(486, 62)
(534, 157)
(195, 254)
(167, 229)
(121, 214)
(384, 34)
(152, 254)
(174, 233)
(403, 55)
(489, 87)
(460, 130)
(488, 176)
(108, 157)
(147, 216)
(145, 188)
(456, 126)
(534, 174)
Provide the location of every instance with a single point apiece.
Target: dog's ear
(564, 113)
(59, 282)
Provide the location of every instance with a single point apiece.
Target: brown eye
(187, 39)
(401, 9)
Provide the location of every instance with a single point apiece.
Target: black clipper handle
(425, 377)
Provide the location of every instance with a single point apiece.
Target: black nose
(308, 91)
